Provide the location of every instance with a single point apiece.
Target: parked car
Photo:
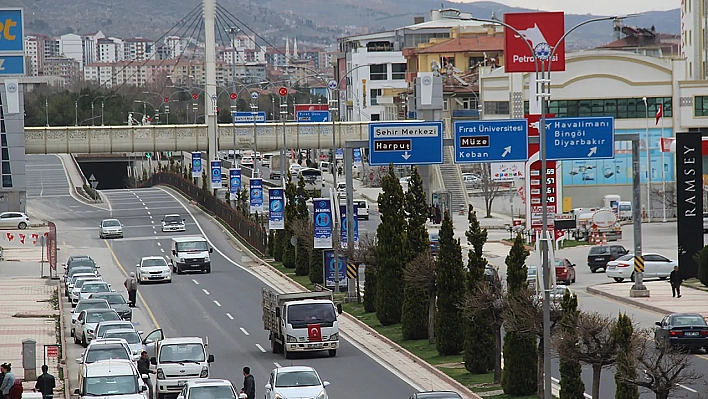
(565, 271)
(110, 380)
(93, 287)
(117, 302)
(131, 337)
(655, 266)
(687, 330)
(434, 243)
(83, 305)
(14, 220)
(110, 228)
(88, 320)
(599, 255)
(436, 395)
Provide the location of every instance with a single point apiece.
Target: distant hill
(312, 21)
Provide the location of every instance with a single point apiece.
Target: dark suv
(599, 255)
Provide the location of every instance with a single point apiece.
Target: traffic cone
(604, 239)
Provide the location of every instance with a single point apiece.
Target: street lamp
(648, 150)
(102, 98)
(76, 110)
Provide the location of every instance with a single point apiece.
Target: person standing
(144, 369)
(45, 384)
(131, 284)
(249, 384)
(675, 280)
(8, 381)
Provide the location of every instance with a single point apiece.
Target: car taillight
(704, 333)
(676, 333)
(623, 264)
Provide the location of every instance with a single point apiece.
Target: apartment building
(65, 67)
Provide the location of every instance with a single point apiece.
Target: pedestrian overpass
(153, 138)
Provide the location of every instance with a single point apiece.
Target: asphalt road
(223, 306)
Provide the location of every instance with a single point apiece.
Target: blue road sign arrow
(580, 138)
(406, 143)
(491, 141)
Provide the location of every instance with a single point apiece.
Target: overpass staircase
(452, 181)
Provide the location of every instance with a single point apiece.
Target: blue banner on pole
(323, 222)
(357, 156)
(215, 174)
(196, 163)
(339, 153)
(234, 182)
(343, 228)
(330, 272)
(256, 195)
(276, 209)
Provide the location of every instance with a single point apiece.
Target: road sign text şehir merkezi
(405, 131)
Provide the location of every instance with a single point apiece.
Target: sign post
(409, 143)
(234, 183)
(215, 175)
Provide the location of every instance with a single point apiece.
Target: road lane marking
(159, 244)
(229, 316)
(162, 250)
(277, 365)
(260, 348)
(205, 291)
(145, 207)
(153, 222)
(150, 214)
(154, 231)
(687, 388)
(195, 281)
(140, 296)
(217, 303)
(243, 330)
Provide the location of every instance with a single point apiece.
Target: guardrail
(251, 232)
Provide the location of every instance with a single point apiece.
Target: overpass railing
(251, 232)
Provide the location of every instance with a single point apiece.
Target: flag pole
(663, 168)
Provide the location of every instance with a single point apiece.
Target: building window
(378, 72)
(445, 106)
(469, 103)
(398, 71)
(6, 170)
(496, 107)
(374, 94)
(700, 106)
(619, 108)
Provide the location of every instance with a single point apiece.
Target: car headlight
(290, 338)
(207, 259)
(334, 337)
(278, 396)
(204, 373)
(160, 374)
(180, 260)
(322, 395)
(90, 331)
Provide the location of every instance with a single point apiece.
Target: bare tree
(421, 273)
(365, 253)
(592, 343)
(490, 188)
(489, 301)
(525, 315)
(662, 368)
(302, 229)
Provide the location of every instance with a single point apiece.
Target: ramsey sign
(542, 31)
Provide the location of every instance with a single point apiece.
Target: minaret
(287, 51)
(295, 56)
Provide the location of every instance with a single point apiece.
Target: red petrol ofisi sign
(542, 31)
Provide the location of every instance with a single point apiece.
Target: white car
(83, 305)
(173, 222)
(247, 161)
(72, 281)
(655, 266)
(131, 337)
(114, 379)
(88, 320)
(209, 388)
(110, 228)
(104, 350)
(295, 382)
(294, 169)
(154, 268)
(109, 325)
(14, 220)
(93, 287)
(362, 209)
(75, 294)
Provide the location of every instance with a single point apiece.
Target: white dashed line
(149, 214)
(205, 291)
(277, 364)
(195, 281)
(159, 244)
(229, 316)
(162, 250)
(217, 303)
(243, 330)
(145, 207)
(154, 231)
(260, 348)
(153, 222)
(687, 388)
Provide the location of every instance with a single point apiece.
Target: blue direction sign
(491, 141)
(313, 116)
(12, 31)
(11, 64)
(408, 143)
(240, 117)
(580, 138)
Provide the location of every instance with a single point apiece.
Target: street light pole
(648, 139)
(46, 110)
(335, 192)
(233, 32)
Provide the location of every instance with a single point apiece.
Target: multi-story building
(693, 42)
(89, 43)
(65, 67)
(110, 50)
(71, 46)
(34, 54)
(138, 48)
(645, 41)
(319, 57)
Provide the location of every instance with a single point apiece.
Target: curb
(622, 299)
(62, 342)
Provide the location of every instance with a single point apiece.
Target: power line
(198, 22)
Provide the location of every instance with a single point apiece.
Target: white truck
(179, 360)
(189, 254)
(301, 322)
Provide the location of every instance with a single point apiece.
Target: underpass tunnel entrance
(109, 175)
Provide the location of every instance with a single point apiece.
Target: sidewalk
(660, 301)
(27, 311)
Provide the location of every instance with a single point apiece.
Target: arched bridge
(142, 138)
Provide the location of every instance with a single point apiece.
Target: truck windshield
(181, 353)
(311, 313)
(192, 246)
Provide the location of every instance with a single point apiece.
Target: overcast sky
(596, 7)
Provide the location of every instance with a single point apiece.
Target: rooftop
(477, 43)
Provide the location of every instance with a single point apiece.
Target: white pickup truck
(301, 322)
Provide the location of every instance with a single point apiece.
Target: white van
(362, 209)
(179, 360)
(190, 253)
(325, 167)
(624, 210)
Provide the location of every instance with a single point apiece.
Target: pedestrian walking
(144, 369)
(675, 280)
(8, 381)
(249, 384)
(438, 214)
(131, 284)
(45, 384)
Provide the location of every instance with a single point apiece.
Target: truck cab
(179, 360)
(190, 254)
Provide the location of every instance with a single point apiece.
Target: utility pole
(210, 72)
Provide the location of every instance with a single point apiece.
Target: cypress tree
(451, 291)
(205, 184)
(316, 266)
(520, 357)
(290, 216)
(414, 316)
(571, 383)
(623, 332)
(302, 258)
(391, 250)
(370, 293)
(278, 245)
(479, 346)
(271, 242)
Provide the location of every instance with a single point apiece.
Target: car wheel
(83, 340)
(72, 333)
(207, 270)
(179, 270)
(161, 395)
(632, 277)
(663, 278)
(332, 352)
(22, 226)
(573, 279)
(619, 279)
(286, 353)
(77, 341)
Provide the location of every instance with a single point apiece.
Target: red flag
(22, 238)
(10, 236)
(314, 333)
(659, 113)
